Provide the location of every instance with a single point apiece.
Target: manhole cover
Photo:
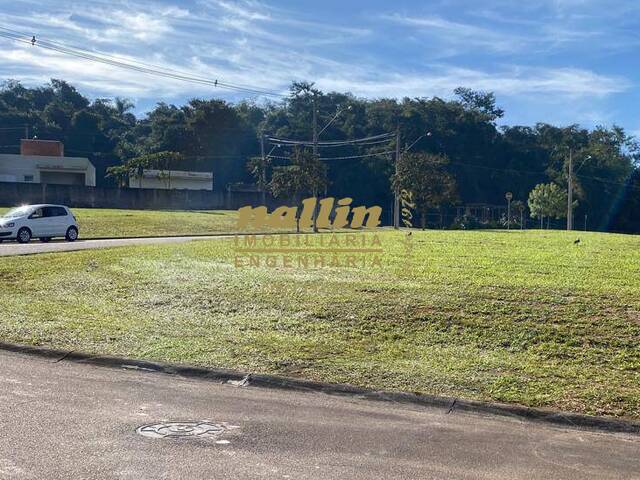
(182, 429)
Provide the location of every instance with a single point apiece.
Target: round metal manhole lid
(182, 429)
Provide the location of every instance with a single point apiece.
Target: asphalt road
(61, 420)
(14, 248)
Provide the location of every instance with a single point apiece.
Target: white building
(43, 161)
(172, 180)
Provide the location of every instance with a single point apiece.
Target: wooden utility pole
(570, 193)
(396, 193)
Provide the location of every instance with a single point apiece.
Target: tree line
(459, 154)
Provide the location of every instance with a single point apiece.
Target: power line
(340, 145)
(335, 143)
(132, 65)
(134, 62)
(531, 173)
(351, 157)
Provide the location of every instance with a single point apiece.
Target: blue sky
(557, 61)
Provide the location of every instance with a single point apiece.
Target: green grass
(522, 317)
(103, 222)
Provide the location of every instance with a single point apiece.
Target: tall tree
(547, 200)
(426, 177)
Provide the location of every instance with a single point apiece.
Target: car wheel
(24, 235)
(72, 234)
(45, 239)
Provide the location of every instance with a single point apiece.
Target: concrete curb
(237, 378)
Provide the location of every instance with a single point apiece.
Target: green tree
(134, 167)
(260, 170)
(547, 200)
(426, 177)
(481, 102)
(305, 175)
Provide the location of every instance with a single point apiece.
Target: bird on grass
(576, 242)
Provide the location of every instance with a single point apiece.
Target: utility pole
(315, 126)
(263, 174)
(315, 154)
(570, 193)
(396, 193)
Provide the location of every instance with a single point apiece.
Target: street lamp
(570, 188)
(316, 135)
(396, 200)
(426, 134)
(340, 110)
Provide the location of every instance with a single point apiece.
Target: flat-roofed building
(43, 161)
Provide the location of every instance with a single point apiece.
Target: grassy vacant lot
(103, 222)
(518, 317)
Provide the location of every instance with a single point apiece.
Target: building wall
(12, 194)
(46, 148)
(23, 168)
(173, 180)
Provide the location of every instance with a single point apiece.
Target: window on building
(28, 178)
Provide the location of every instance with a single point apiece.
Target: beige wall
(18, 168)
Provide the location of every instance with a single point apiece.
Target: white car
(38, 221)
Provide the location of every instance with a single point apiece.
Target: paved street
(62, 420)
(14, 248)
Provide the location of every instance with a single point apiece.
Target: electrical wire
(378, 142)
(13, 128)
(364, 144)
(351, 157)
(372, 137)
(336, 143)
(133, 65)
(134, 62)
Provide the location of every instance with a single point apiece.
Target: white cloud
(441, 80)
(458, 33)
(140, 25)
(248, 10)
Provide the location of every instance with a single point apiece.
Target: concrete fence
(12, 194)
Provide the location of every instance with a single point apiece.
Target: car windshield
(17, 212)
